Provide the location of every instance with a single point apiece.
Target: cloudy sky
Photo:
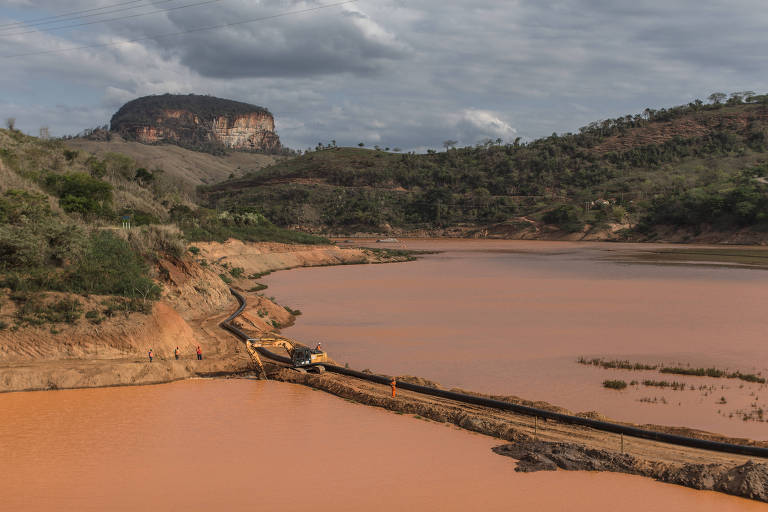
(397, 73)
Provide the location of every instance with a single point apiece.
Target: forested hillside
(64, 214)
(696, 167)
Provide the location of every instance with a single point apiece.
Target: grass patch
(35, 310)
(259, 287)
(712, 372)
(615, 364)
(614, 384)
(676, 386)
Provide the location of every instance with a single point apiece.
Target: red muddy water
(512, 317)
(241, 445)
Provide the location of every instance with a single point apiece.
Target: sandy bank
(113, 352)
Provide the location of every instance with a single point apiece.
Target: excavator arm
(300, 355)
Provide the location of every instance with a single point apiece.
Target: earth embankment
(111, 347)
(548, 445)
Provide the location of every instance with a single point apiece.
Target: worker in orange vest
(394, 387)
(176, 353)
(199, 354)
(151, 355)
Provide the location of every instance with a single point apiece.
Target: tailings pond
(513, 318)
(242, 445)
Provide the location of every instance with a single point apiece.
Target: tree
(361, 144)
(448, 144)
(11, 123)
(717, 97)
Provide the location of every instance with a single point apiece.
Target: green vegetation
(80, 224)
(614, 384)
(294, 312)
(259, 287)
(676, 370)
(713, 372)
(34, 309)
(674, 385)
(615, 364)
(696, 166)
(242, 223)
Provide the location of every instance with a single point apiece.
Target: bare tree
(11, 123)
(448, 144)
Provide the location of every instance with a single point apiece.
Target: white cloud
(475, 124)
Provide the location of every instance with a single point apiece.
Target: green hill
(696, 167)
(62, 212)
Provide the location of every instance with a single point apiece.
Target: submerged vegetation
(620, 364)
(713, 372)
(614, 384)
(676, 370)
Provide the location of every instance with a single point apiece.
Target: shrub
(34, 310)
(110, 267)
(194, 250)
(225, 278)
(156, 241)
(237, 272)
(81, 193)
(566, 216)
(113, 305)
(93, 316)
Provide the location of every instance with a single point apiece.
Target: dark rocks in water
(544, 456)
(749, 480)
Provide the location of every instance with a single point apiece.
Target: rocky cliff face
(198, 122)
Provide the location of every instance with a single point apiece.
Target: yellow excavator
(300, 355)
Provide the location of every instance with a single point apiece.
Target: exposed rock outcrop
(197, 122)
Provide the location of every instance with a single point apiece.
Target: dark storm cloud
(407, 74)
(322, 42)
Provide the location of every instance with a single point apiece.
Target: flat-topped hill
(195, 121)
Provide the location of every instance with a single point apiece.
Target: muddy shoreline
(195, 301)
(536, 444)
(540, 445)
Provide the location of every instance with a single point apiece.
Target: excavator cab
(301, 356)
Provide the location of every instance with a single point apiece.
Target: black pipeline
(604, 426)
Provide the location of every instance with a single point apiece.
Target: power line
(65, 19)
(25, 22)
(173, 34)
(117, 18)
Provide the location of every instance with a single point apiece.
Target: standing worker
(199, 354)
(176, 353)
(151, 355)
(394, 387)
